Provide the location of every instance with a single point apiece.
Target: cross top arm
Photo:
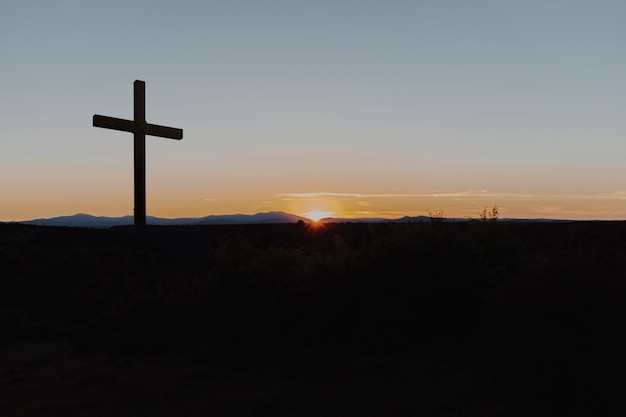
(134, 127)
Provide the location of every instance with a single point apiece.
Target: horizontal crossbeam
(114, 123)
(163, 131)
(132, 126)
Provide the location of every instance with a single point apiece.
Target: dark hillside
(415, 319)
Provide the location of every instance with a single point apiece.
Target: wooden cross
(140, 129)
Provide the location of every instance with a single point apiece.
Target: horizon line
(335, 216)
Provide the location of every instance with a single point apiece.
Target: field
(482, 318)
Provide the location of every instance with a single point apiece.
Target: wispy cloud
(617, 195)
(348, 195)
(455, 194)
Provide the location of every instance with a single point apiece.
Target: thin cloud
(617, 195)
(405, 195)
(349, 195)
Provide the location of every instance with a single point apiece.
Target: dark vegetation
(422, 319)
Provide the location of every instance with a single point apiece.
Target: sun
(317, 215)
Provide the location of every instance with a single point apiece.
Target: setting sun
(317, 215)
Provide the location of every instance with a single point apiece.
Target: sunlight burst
(317, 215)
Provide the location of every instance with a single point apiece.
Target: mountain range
(87, 220)
(274, 217)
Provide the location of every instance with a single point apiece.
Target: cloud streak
(617, 195)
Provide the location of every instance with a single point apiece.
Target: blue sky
(360, 108)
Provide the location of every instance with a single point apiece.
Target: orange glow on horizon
(317, 215)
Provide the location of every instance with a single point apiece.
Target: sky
(357, 108)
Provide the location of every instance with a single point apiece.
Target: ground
(433, 319)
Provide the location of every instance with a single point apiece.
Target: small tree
(437, 215)
(492, 214)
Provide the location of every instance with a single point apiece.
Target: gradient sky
(357, 107)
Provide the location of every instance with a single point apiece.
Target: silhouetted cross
(140, 129)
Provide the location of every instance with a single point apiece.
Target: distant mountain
(405, 219)
(353, 220)
(270, 217)
(419, 219)
(413, 219)
(82, 220)
(87, 220)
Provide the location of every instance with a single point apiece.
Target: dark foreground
(428, 319)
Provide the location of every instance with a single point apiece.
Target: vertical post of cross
(140, 153)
